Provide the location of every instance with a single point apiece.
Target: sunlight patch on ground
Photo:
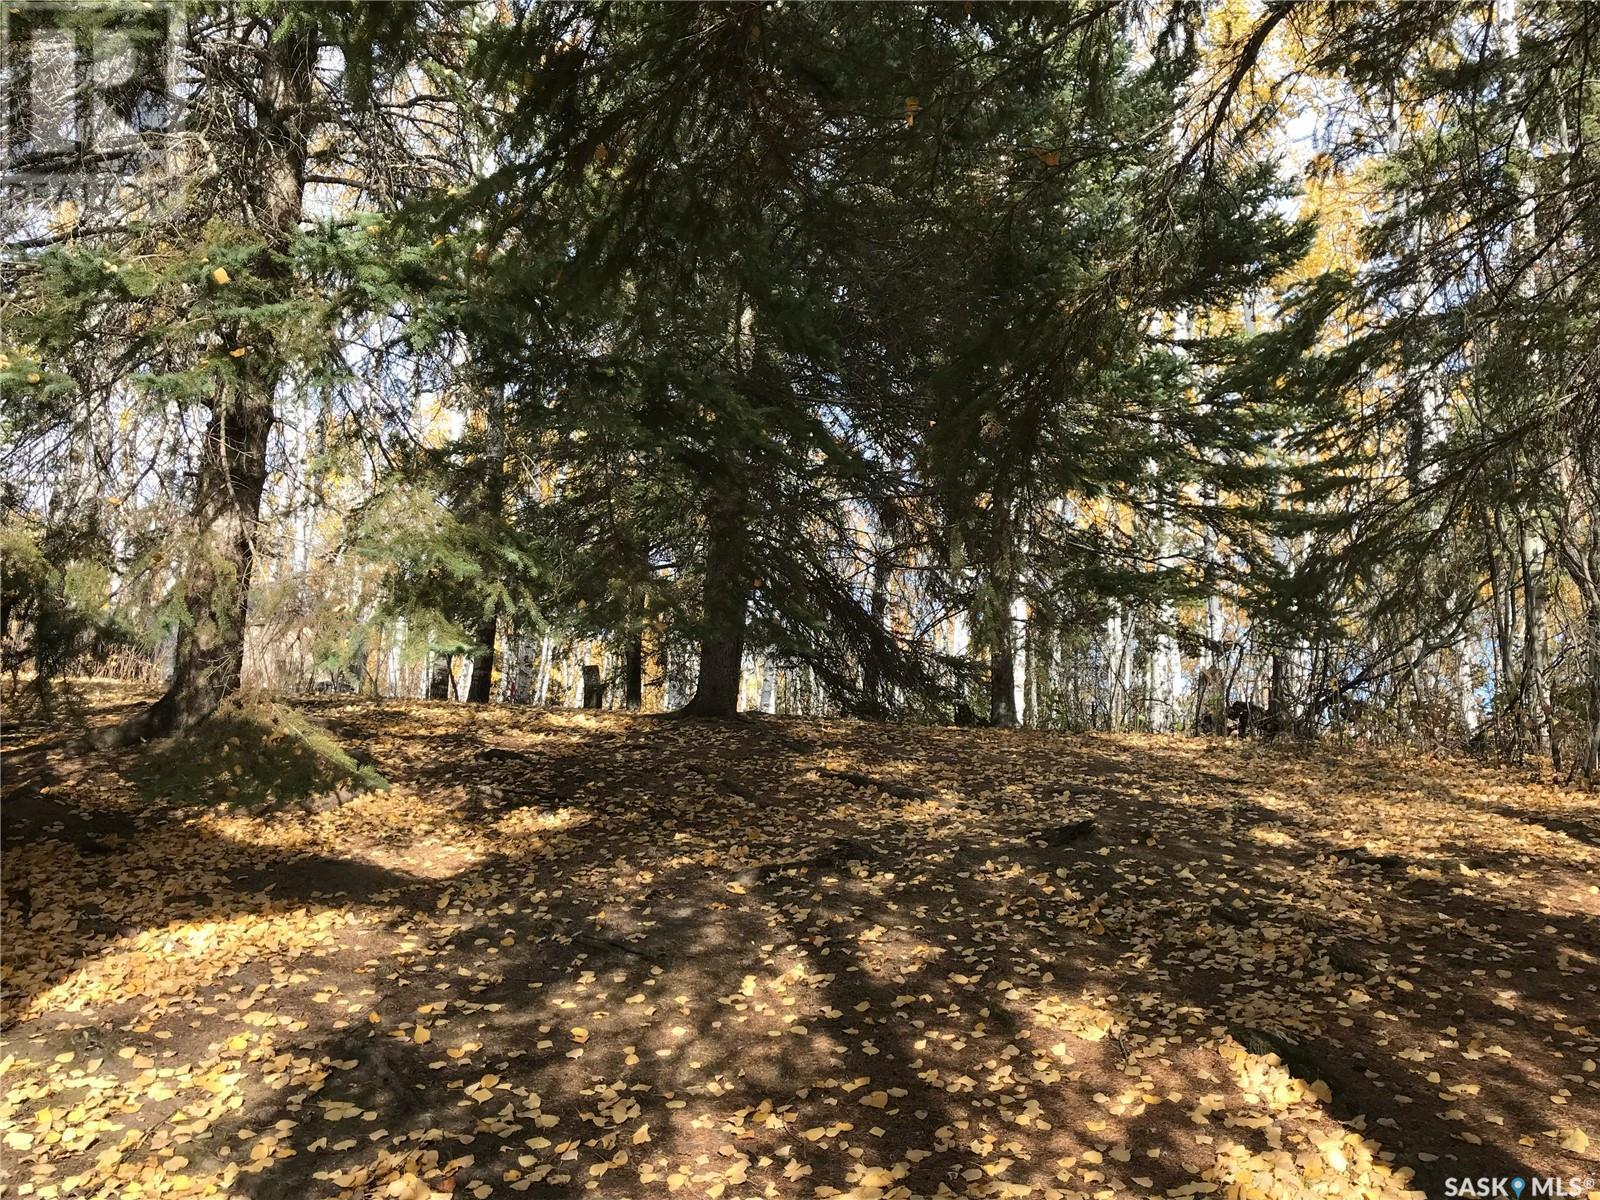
(629, 957)
(164, 967)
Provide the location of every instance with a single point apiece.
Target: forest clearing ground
(576, 953)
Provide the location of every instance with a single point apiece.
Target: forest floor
(620, 956)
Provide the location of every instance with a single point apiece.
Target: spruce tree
(204, 299)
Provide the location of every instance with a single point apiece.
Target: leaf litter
(590, 954)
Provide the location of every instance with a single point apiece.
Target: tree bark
(1281, 714)
(1019, 660)
(482, 663)
(1591, 754)
(541, 687)
(1002, 680)
(998, 617)
(725, 596)
(1501, 592)
(1578, 547)
(1119, 673)
(871, 668)
(1536, 689)
(210, 653)
(633, 671)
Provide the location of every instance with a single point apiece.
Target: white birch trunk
(769, 686)
(671, 696)
(1466, 694)
(1117, 672)
(1019, 670)
(542, 685)
(392, 673)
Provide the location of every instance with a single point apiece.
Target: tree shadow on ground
(980, 1007)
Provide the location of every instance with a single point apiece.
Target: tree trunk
(716, 693)
(594, 692)
(1119, 668)
(1019, 660)
(633, 671)
(871, 667)
(1278, 694)
(541, 683)
(1466, 694)
(1046, 696)
(482, 664)
(1591, 753)
(1536, 689)
(768, 702)
(1579, 550)
(1501, 592)
(488, 510)
(1002, 680)
(439, 678)
(670, 686)
(998, 615)
(726, 593)
(216, 588)
(1165, 666)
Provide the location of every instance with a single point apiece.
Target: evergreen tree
(205, 303)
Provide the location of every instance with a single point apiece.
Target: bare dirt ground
(577, 954)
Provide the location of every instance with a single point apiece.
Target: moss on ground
(255, 754)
